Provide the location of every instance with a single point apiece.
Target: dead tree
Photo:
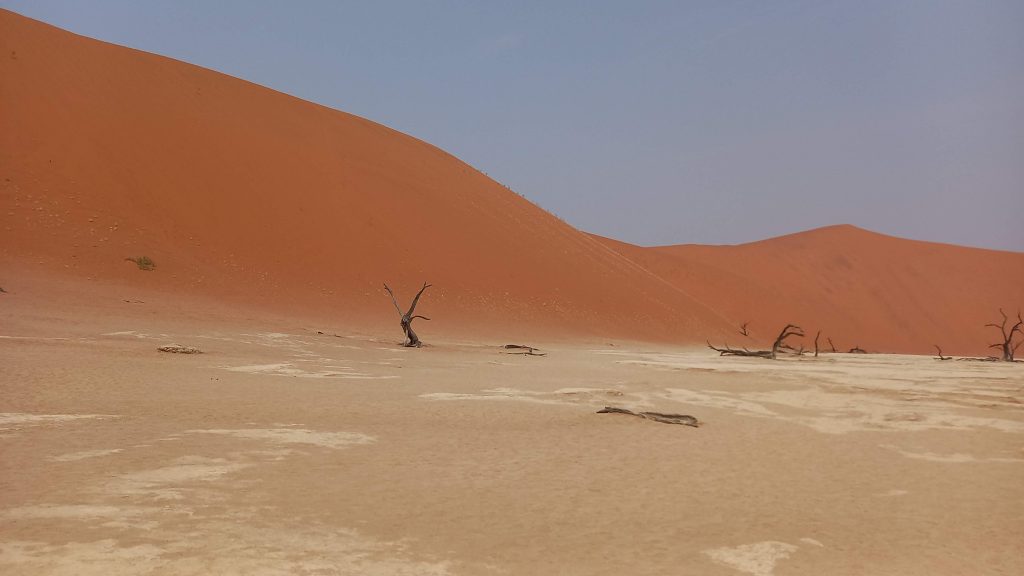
(411, 340)
(941, 357)
(857, 350)
(816, 336)
(789, 330)
(831, 344)
(1007, 345)
(743, 329)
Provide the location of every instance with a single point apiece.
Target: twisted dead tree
(411, 340)
(940, 356)
(789, 330)
(1007, 345)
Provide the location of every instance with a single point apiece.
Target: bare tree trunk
(1007, 345)
(789, 330)
(831, 344)
(816, 336)
(411, 340)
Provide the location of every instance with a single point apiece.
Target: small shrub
(143, 262)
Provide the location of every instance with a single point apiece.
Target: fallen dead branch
(727, 351)
(789, 330)
(684, 419)
(941, 357)
(523, 350)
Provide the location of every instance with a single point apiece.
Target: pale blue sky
(656, 122)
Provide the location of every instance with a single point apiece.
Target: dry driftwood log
(1007, 346)
(684, 419)
(411, 340)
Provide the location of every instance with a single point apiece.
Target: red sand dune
(243, 193)
(860, 288)
(254, 197)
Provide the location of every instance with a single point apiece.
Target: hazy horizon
(658, 122)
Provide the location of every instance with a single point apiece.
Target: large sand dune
(252, 197)
(859, 288)
(240, 192)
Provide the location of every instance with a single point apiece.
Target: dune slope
(240, 192)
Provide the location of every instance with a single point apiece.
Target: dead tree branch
(684, 419)
(816, 336)
(1007, 346)
(526, 350)
(941, 357)
(727, 351)
(833, 346)
(743, 329)
(411, 340)
(857, 350)
(789, 330)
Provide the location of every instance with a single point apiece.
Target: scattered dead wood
(727, 351)
(1007, 346)
(941, 357)
(789, 330)
(178, 349)
(523, 350)
(857, 350)
(743, 329)
(985, 359)
(411, 340)
(683, 419)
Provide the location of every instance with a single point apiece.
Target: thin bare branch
(395, 302)
(417, 298)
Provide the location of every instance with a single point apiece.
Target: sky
(717, 122)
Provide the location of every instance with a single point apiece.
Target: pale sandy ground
(281, 451)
